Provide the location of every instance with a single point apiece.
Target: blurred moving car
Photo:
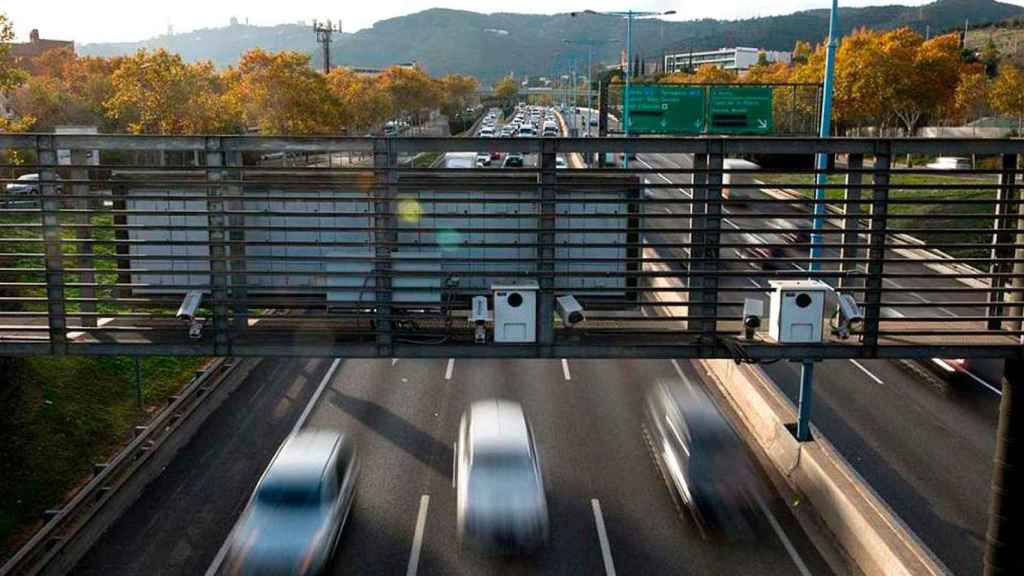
(483, 159)
(295, 517)
(501, 506)
(950, 163)
(704, 461)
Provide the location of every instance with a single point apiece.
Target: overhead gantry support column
(1004, 553)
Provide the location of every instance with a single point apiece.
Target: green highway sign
(666, 109)
(740, 110)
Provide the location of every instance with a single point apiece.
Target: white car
(950, 163)
(500, 501)
(560, 163)
(483, 159)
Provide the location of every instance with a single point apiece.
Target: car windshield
(289, 492)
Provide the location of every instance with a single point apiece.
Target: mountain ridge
(490, 46)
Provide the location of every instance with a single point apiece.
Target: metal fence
(370, 255)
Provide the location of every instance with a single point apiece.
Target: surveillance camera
(189, 306)
(850, 317)
(569, 310)
(195, 329)
(753, 310)
(478, 317)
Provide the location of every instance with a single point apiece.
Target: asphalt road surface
(404, 416)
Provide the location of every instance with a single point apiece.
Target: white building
(729, 58)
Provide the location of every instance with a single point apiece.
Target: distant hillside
(1008, 37)
(491, 45)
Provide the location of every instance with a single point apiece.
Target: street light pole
(590, 44)
(803, 423)
(628, 15)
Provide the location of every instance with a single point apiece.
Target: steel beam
(877, 224)
(50, 205)
(1007, 209)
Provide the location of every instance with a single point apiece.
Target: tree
(458, 92)
(410, 89)
(706, 74)
(506, 90)
(279, 93)
(158, 93)
(1008, 94)
(363, 104)
(971, 99)
(67, 89)
(10, 75)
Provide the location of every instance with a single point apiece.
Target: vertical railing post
(1017, 281)
(1007, 207)
(548, 150)
(383, 236)
(235, 201)
(695, 265)
(1003, 553)
(218, 244)
(80, 197)
(851, 224)
(50, 203)
(712, 239)
(877, 223)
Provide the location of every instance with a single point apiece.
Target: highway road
(404, 416)
(925, 449)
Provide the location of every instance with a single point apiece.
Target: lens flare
(449, 240)
(409, 210)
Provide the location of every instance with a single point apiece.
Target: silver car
(501, 505)
(28, 185)
(295, 516)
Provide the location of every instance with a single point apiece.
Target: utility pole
(803, 430)
(324, 34)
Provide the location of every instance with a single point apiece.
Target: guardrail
(72, 529)
(384, 259)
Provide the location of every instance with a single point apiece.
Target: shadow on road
(398, 431)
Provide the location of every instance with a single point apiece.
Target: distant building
(36, 46)
(373, 72)
(729, 58)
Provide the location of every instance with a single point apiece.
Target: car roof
(498, 425)
(303, 456)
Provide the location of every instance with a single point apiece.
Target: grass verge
(59, 416)
(944, 218)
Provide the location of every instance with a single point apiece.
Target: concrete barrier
(869, 532)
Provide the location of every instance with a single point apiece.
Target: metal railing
(384, 258)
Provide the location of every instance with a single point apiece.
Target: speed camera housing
(797, 311)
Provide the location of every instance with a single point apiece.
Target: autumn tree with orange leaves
(279, 93)
(158, 93)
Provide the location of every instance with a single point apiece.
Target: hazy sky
(119, 20)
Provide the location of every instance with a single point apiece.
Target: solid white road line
(984, 383)
(417, 539)
(450, 369)
(393, 362)
(565, 370)
(218, 560)
(785, 539)
(316, 395)
(602, 536)
(866, 371)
